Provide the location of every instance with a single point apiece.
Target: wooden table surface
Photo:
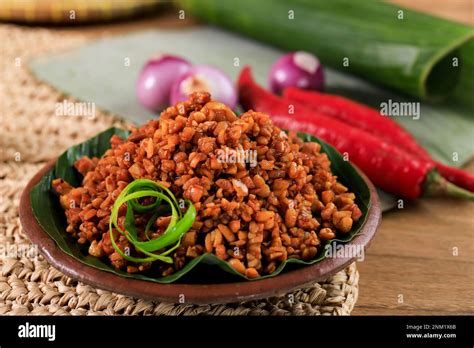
(422, 258)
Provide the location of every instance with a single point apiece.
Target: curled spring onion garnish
(179, 224)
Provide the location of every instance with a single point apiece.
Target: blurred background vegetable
(156, 78)
(296, 69)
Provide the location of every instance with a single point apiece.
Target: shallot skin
(296, 69)
(156, 77)
(205, 78)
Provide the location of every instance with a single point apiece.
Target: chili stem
(435, 185)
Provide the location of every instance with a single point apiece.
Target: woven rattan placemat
(30, 134)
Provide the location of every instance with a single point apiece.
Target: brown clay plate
(193, 293)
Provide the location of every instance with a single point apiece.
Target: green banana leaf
(405, 50)
(50, 215)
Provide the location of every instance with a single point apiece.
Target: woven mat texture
(31, 134)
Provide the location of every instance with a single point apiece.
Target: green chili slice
(139, 208)
(173, 233)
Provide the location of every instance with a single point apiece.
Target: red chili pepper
(457, 176)
(389, 167)
(370, 120)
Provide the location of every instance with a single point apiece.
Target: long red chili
(389, 167)
(370, 120)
